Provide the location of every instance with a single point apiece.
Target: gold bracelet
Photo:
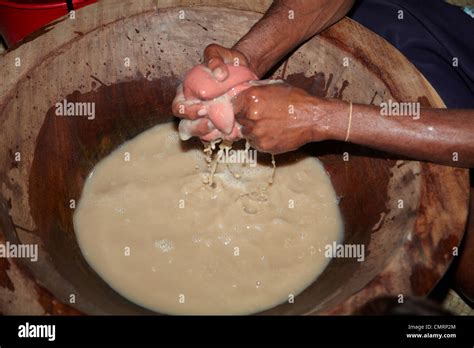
(350, 121)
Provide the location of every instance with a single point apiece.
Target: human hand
(217, 58)
(278, 118)
(203, 100)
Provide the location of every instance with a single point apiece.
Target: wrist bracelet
(350, 121)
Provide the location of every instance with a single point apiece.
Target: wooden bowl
(128, 57)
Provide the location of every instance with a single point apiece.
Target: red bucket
(20, 18)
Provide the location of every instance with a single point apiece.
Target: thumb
(240, 106)
(214, 56)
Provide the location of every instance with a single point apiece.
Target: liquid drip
(209, 148)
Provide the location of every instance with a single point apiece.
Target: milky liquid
(159, 236)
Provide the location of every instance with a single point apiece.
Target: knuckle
(210, 49)
(211, 46)
(258, 132)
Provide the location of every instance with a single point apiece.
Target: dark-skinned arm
(285, 25)
(444, 136)
(277, 33)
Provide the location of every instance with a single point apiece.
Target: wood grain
(82, 59)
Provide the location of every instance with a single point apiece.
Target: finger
(191, 112)
(213, 135)
(219, 69)
(199, 83)
(213, 58)
(234, 91)
(246, 123)
(202, 127)
(184, 130)
(240, 106)
(222, 116)
(189, 128)
(190, 109)
(235, 134)
(176, 105)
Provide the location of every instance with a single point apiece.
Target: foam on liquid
(162, 238)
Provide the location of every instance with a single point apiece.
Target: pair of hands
(275, 118)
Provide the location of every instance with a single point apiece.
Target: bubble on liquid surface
(164, 245)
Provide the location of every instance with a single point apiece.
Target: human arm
(444, 136)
